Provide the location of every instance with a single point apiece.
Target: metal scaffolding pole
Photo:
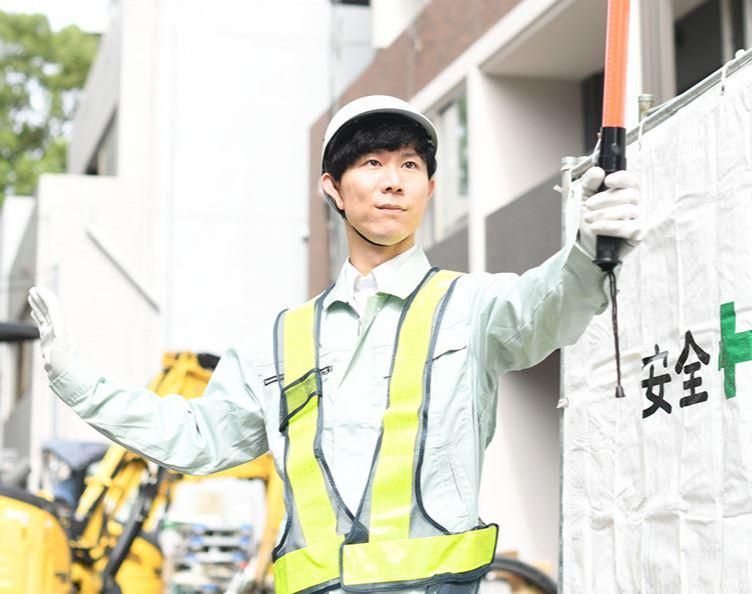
(727, 30)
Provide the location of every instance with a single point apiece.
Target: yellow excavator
(104, 541)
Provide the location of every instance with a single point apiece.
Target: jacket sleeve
(524, 318)
(221, 429)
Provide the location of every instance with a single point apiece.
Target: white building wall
(16, 215)
(231, 167)
(80, 224)
(99, 102)
(20, 277)
(518, 131)
(391, 17)
(518, 128)
(517, 142)
(199, 238)
(520, 486)
(351, 45)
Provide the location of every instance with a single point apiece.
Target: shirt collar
(398, 277)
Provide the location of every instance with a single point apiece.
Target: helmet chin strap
(354, 228)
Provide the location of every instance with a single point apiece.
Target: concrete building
(513, 86)
(17, 235)
(181, 223)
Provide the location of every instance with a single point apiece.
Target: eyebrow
(404, 154)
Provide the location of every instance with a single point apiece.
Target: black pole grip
(612, 157)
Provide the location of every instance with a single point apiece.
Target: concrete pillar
(658, 54)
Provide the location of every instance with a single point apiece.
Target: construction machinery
(95, 532)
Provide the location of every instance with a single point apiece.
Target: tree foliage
(42, 74)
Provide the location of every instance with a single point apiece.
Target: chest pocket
(450, 356)
(449, 390)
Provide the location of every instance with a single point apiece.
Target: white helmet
(372, 104)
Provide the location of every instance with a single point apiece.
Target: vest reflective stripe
(315, 564)
(318, 561)
(392, 493)
(415, 559)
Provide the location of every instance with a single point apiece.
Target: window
(449, 209)
(705, 38)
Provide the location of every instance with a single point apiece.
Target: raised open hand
(55, 342)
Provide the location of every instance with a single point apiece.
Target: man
(378, 397)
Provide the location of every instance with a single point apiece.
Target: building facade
(181, 223)
(514, 86)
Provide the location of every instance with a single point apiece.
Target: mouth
(390, 207)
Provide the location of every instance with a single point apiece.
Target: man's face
(384, 194)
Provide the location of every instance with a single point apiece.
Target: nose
(391, 182)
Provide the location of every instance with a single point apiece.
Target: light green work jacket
(493, 323)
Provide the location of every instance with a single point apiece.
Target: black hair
(378, 132)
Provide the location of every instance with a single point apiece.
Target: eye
(410, 164)
(372, 163)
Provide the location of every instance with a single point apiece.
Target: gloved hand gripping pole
(612, 156)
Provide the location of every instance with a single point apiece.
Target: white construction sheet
(657, 487)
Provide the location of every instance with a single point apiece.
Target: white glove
(614, 212)
(57, 350)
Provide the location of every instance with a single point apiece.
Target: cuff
(580, 244)
(590, 276)
(72, 384)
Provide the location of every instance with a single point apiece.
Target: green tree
(42, 74)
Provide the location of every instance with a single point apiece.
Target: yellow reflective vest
(390, 542)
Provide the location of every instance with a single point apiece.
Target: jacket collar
(397, 277)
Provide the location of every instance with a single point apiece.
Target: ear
(330, 188)
(431, 187)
